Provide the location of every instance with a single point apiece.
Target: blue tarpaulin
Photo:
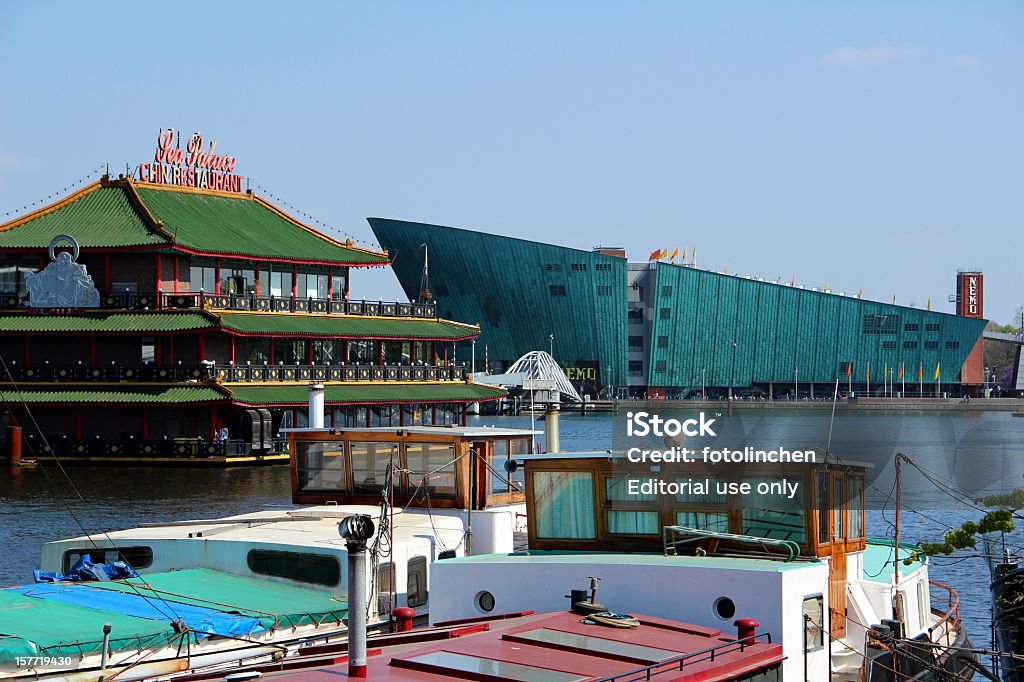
(199, 619)
(86, 571)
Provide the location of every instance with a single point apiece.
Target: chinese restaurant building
(165, 320)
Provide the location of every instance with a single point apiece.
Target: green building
(668, 330)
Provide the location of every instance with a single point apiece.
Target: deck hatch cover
(599, 646)
(451, 664)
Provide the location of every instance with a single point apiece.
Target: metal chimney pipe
(103, 654)
(356, 530)
(551, 428)
(316, 406)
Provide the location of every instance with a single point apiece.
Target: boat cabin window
(136, 557)
(632, 514)
(321, 466)
(318, 569)
(496, 466)
(773, 516)
(416, 582)
(384, 583)
(431, 469)
(854, 507)
(564, 504)
(369, 466)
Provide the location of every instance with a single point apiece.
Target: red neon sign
(193, 166)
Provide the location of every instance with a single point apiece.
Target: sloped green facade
(742, 332)
(521, 292)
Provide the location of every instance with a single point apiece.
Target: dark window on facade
(845, 368)
(888, 345)
(603, 266)
(553, 267)
(604, 290)
(932, 327)
(635, 316)
(931, 345)
(317, 569)
(136, 557)
(910, 345)
(557, 290)
(912, 327)
(660, 366)
(662, 342)
(952, 345)
(666, 313)
(636, 343)
(666, 292)
(579, 267)
(636, 368)
(881, 324)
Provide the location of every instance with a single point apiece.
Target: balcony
(243, 302)
(134, 446)
(149, 373)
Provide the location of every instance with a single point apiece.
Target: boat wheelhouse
(801, 566)
(165, 323)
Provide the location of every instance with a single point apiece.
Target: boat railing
(677, 663)
(945, 602)
(674, 537)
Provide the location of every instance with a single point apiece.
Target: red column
(232, 349)
(156, 274)
(330, 286)
(175, 259)
(346, 271)
(295, 281)
(216, 272)
(412, 352)
(256, 284)
(309, 351)
(145, 423)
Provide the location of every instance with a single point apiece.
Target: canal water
(981, 452)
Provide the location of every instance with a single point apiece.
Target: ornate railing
(243, 302)
(65, 446)
(233, 373)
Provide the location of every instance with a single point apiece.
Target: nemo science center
(665, 328)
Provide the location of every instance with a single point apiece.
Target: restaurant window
(431, 469)
(394, 351)
(12, 278)
(564, 504)
(338, 287)
(148, 350)
(320, 466)
(290, 351)
(203, 277)
(768, 514)
(361, 352)
(370, 464)
(280, 283)
(416, 581)
(264, 283)
(323, 351)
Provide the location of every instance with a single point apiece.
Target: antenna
(425, 294)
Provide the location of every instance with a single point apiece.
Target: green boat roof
(116, 214)
(290, 606)
(878, 565)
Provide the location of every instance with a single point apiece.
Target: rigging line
(948, 489)
(60, 465)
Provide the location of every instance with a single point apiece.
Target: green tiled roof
(91, 323)
(243, 226)
(298, 394)
(284, 324)
(109, 216)
(151, 395)
(102, 217)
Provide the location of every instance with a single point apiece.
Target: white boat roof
(453, 430)
(304, 526)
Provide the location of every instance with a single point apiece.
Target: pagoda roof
(124, 214)
(253, 394)
(239, 324)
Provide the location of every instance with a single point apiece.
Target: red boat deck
(559, 647)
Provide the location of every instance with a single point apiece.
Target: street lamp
(796, 383)
(703, 387)
(551, 339)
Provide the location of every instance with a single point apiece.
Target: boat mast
(896, 540)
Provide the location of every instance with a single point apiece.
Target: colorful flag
(654, 254)
(684, 254)
(860, 294)
(664, 254)
(792, 282)
(675, 253)
(929, 303)
(849, 369)
(868, 375)
(936, 371)
(920, 371)
(901, 371)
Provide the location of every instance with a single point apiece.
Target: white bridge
(536, 371)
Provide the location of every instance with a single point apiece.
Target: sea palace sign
(190, 167)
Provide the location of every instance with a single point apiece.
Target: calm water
(981, 451)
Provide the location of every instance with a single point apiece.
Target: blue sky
(866, 145)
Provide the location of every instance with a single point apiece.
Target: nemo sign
(970, 294)
(194, 166)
